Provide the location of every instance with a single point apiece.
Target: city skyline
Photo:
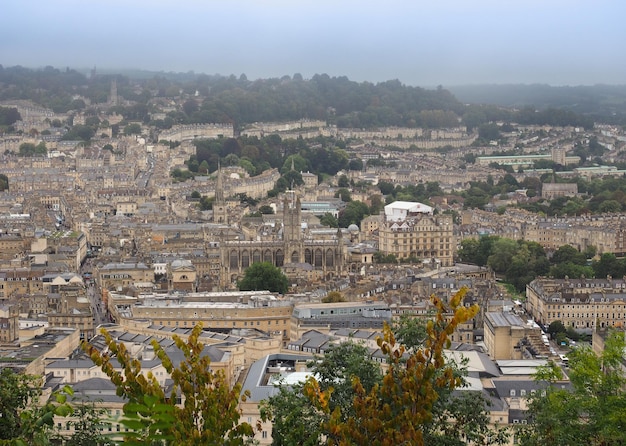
(447, 43)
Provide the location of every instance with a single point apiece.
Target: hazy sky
(419, 42)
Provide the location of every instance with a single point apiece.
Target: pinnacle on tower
(219, 186)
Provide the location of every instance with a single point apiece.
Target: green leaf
(134, 408)
(64, 410)
(150, 400)
(134, 424)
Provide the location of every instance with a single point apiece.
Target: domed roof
(181, 263)
(353, 228)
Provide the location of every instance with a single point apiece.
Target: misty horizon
(450, 43)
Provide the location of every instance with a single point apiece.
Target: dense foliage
(209, 412)
(605, 103)
(239, 100)
(8, 116)
(264, 276)
(25, 420)
(348, 401)
(399, 409)
(520, 261)
(592, 411)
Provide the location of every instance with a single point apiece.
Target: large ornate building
(411, 229)
(290, 247)
(585, 304)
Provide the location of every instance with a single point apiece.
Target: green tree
(25, 420)
(354, 212)
(344, 194)
(386, 188)
(502, 254)
(410, 331)
(132, 129)
(16, 393)
(610, 206)
(468, 252)
(264, 276)
(571, 270)
(4, 182)
(343, 181)
(333, 297)
(555, 327)
(330, 220)
(567, 253)
(9, 116)
(593, 411)
(203, 167)
(88, 423)
(209, 412)
(295, 420)
(397, 410)
(30, 149)
(266, 209)
(609, 265)
(462, 418)
(355, 164)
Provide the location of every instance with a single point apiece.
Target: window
(512, 392)
(264, 434)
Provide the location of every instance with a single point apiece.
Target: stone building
(290, 245)
(412, 230)
(584, 304)
(507, 336)
(219, 311)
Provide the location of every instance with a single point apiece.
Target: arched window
(234, 259)
(267, 256)
(330, 258)
(308, 257)
(245, 259)
(295, 257)
(318, 257)
(256, 256)
(280, 258)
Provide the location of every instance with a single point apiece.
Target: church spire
(219, 186)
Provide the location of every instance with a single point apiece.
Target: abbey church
(288, 244)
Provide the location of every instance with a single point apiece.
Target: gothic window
(234, 259)
(295, 257)
(256, 256)
(308, 257)
(318, 257)
(280, 258)
(245, 259)
(330, 259)
(267, 256)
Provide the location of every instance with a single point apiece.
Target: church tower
(292, 227)
(220, 210)
(113, 98)
(558, 155)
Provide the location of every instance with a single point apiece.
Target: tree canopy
(349, 401)
(592, 411)
(264, 276)
(209, 413)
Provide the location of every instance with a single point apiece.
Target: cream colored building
(115, 276)
(412, 230)
(504, 335)
(584, 304)
(258, 310)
